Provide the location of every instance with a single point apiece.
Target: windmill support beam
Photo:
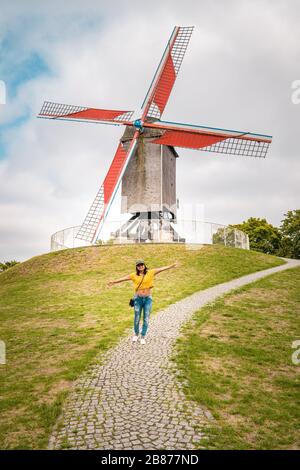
(148, 227)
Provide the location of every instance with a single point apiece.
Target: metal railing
(164, 231)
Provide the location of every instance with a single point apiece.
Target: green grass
(57, 314)
(234, 358)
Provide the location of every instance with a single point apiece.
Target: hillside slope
(236, 360)
(57, 313)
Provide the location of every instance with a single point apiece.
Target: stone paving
(131, 398)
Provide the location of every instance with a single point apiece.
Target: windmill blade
(166, 73)
(52, 110)
(98, 211)
(211, 139)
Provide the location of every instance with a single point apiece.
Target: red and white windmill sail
(166, 73)
(211, 139)
(174, 134)
(102, 202)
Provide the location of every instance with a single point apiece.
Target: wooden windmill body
(148, 191)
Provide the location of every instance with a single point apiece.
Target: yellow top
(147, 281)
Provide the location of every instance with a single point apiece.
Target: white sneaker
(134, 339)
(143, 341)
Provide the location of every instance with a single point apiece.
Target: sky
(241, 71)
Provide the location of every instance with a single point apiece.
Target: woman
(143, 296)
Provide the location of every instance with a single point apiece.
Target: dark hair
(145, 270)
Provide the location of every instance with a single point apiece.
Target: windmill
(145, 160)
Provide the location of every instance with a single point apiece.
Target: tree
(290, 232)
(262, 235)
(7, 264)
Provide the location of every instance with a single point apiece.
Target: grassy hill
(237, 361)
(56, 315)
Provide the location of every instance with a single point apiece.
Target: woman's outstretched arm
(116, 281)
(164, 268)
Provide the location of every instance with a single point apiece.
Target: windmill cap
(139, 261)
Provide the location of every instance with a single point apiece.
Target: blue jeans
(142, 303)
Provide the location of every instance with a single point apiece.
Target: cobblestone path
(132, 399)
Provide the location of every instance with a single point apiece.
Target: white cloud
(237, 73)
